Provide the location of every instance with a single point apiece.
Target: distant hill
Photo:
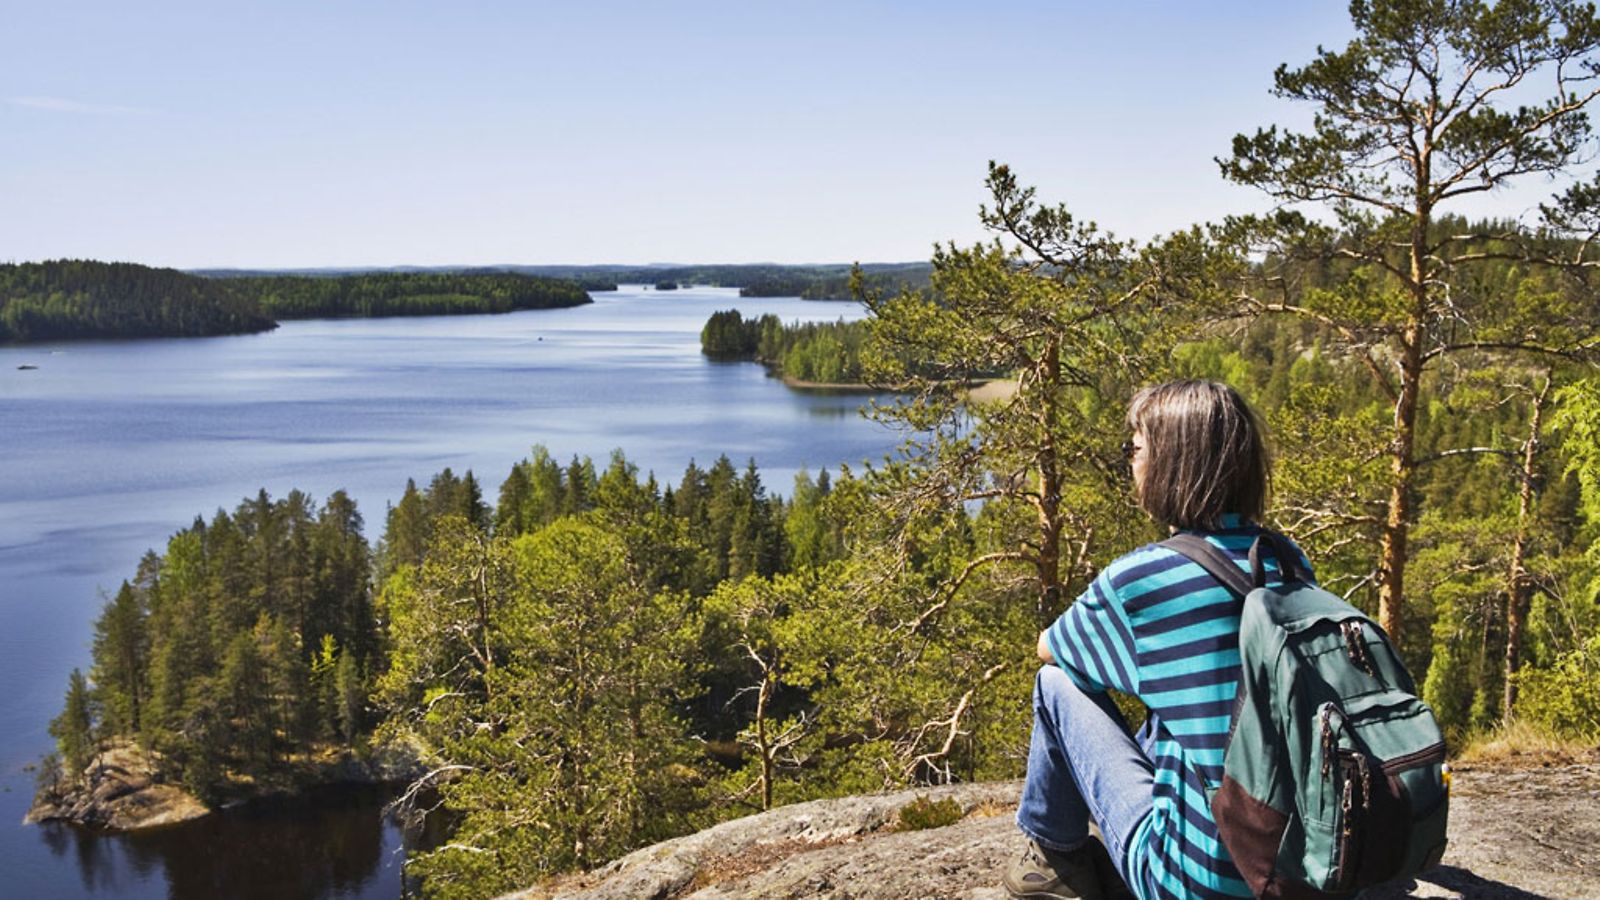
(76, 298)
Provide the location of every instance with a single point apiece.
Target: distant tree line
(63, 299)
(830, 283)
(811, 282)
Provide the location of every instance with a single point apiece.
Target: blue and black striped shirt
(1156, 625)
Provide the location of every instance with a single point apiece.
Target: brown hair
(1204, 454)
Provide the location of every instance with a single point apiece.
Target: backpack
(1334, 774)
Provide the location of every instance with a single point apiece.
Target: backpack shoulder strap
(1289, 566)
(1207, 556)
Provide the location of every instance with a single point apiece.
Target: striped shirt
(1156, 625)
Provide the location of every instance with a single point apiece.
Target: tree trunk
(1049, 503)
(1393, 552)
(1402, 467)
(1517, 594)
(762, 745)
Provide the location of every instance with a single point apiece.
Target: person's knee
(1049, 683)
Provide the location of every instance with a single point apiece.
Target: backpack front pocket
(1381, 792)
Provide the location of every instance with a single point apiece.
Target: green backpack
(1334, 773)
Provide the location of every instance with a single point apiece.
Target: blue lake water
(109, 447)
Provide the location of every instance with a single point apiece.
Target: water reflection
(333, 843)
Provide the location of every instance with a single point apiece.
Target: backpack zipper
(1329, 741)
(1355, 645)
(1425, 755)
(1356, 790)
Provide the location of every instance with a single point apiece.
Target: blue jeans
(1082, 765)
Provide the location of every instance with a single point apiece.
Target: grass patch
(922, 813)
(1520, 743)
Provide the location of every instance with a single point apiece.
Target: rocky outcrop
(123, 788)
(1515, 834)
(806, 849)
(122, 791)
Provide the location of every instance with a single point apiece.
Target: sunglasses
(1129, 448)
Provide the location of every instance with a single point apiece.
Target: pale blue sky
(384, 133)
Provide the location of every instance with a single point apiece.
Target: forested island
(598, 660)
(824, 353)
(371, 295)
(63, 299)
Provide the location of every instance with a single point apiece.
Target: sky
(304, 134)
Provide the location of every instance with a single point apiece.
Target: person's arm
(1092, 641)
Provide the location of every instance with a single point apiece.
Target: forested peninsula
(65, 299)
(76, 298)
(823, 353)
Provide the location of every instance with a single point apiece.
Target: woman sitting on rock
(1156, 626)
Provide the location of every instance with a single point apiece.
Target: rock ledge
(1515, 834)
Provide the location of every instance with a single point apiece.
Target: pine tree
(122, 659)
(74, 728)
(1412, 116)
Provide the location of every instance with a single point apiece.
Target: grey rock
(120, 791)
(670, 868)
(1514, 835)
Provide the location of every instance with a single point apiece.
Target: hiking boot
(1044, 874)
(1112, 887)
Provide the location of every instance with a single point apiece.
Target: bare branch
(955, 585)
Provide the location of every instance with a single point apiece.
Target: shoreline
(843, 387)
(987, 391)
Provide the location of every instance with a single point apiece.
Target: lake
(111, 446)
